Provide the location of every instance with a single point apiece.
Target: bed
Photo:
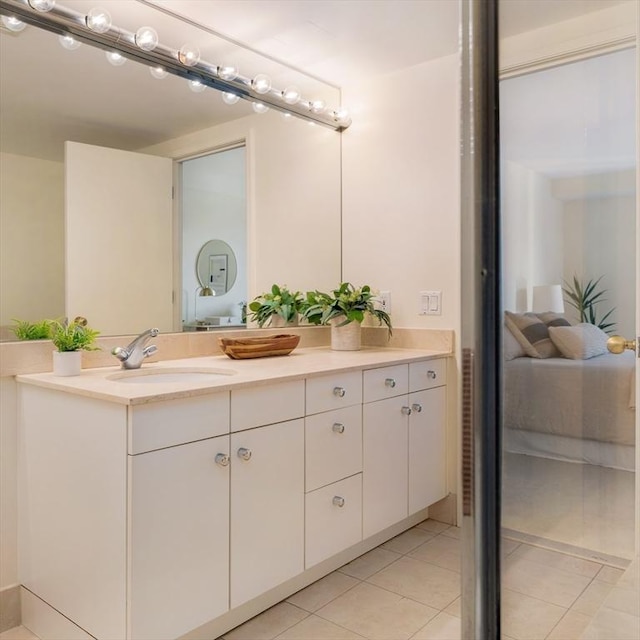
(571, 409)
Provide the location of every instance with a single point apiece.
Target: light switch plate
(430, 303)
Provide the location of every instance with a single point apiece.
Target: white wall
(31, 238)
(401, 219)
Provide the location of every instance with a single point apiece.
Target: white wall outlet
(383, 301)
(430, 303)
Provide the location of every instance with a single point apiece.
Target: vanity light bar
(64, 21)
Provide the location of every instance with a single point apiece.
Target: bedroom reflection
(569, 210)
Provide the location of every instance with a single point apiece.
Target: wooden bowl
(242, 348)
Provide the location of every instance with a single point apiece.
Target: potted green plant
(70, 339)
(344, 309)
(279, 307)
(25, 330)
(584, 297)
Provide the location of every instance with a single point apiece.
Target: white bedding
(587, 399)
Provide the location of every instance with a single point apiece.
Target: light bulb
(146, 38)
(42, 5)
(69, 42)
(189, 56)
(115, 58)
(159, 73)
(228, 72)
(13, 24)
(98, 20)
(291, 95)
(229, 98)
(318, 106)
(342, 116)
(261, 83)
(196, 86)
(286, 116)
(259, 107)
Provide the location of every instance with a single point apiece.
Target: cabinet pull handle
(390, 382)
(338, 501)
(338, 427)
(243, 453)
(339, 391)
(406, 411)
(416, 407)
(222, 459)
(431, 374)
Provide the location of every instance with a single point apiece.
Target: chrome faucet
(133, 354)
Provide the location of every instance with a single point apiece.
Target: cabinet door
(267, 508)
(384, 469)
(427, 448)
(179, 515)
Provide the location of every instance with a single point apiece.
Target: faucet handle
(150, 350)
(120, 352)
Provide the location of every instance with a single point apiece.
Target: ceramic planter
(67, 363)
(346, 337)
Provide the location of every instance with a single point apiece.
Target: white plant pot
(346, 337)
(277, 322)
(67, 363)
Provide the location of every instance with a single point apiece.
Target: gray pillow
(532, 334)
(580, 342)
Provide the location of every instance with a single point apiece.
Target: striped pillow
(553, 319)
(532, 334)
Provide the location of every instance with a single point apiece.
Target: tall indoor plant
(70, 339)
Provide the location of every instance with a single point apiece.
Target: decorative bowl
(266, 346)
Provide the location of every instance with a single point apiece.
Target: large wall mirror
(55, 263)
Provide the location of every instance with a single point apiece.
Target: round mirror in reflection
(216, 267)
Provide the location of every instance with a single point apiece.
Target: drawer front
(268, 404)
(165, 424)
(333, 519)
(427, 374)
(333, 391)
(333, 446)
(386, 382)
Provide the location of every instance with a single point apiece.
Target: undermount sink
(166, 376)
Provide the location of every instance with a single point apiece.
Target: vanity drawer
(164, 424)
(333, 391)
(386, 382)
(333, 519)
(427, 374)
(333, 446)
(267, 404)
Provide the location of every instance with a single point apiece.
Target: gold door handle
(617, 344)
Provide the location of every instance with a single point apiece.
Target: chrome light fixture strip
(64, 21)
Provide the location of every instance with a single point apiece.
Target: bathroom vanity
(183, 498)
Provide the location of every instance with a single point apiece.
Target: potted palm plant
(25, 330)
(70, 339)
(279, 307)
(344, 309)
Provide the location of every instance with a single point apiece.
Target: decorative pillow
(553, 319)
(511, 348)
(580, 342)
(532, 334)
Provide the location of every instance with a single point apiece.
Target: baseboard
(10, 608)
(444, 510)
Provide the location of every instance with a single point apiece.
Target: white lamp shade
(548, 297)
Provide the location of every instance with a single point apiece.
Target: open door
(118, 236)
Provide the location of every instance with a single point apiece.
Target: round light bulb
(286, 116)
(189, 56)
(318, 106)
(228, 72)
(259, 107)
(42, 5)
(115, 58)
(98, 20)
(13, 24)
(196, 86)
(261, 83)
(146, 38)
(69, 42)
(229, 98)
(291, 95)
(159, 73)
(342, 116)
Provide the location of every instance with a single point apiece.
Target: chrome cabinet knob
(406, 411)
(339, 392)
(390, 382)
(338, 427)
(431, 374)
(244, 454)
(338, 501)
(222, 459)
(416, 407)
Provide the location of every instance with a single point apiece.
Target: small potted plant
(25, 330)
(344, 309)
(279, 307)
(70, 339)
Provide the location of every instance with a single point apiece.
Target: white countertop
(301, 363)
